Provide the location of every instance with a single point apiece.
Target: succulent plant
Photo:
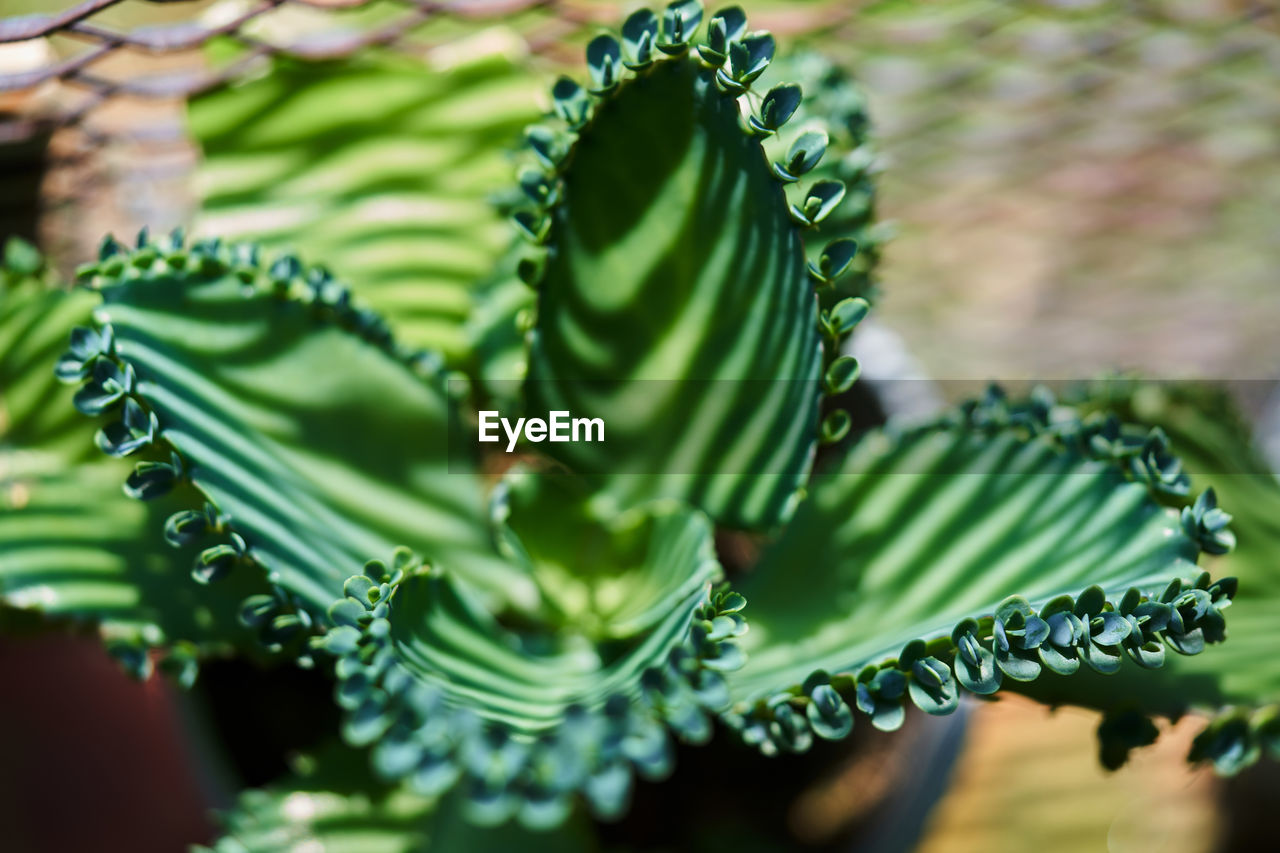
(526, 643)
(1238, 686)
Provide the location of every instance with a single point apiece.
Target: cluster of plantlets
(535, 641)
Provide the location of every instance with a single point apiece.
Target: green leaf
(835, 426)
(75, 549)
(829, 716)
(904, 557)
(848, 313)
(525, 716)
(531, 226)
(298, 418)
(680, 22)
(603, 580)
(604, 63)
(1238, 684)
(21, 259)
(35, 409)
(818, 203)
(570, 101)
(726, 26)
(639, 34)
(805, 152)
(677, 311)
(748, 59)
(841, 374)
(383, 166)
(834, 260)
(778, 106)
(975, 664)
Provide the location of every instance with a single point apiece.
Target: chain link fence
(1077, 184)
(154, 76)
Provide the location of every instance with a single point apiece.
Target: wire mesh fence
(92, 95)
(1077, 183)
(85, 68)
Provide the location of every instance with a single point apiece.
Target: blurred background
(1075, 186)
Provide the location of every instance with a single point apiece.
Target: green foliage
(22, 262)
(983, 550)
(382, 165)
(308, 432)
(832, 100)
(34, 319)
(698, 232)
(607, 313)
(1238, 686)
(314, 434)
(76, 550)
(849, 236)
(522, 718)
(672, 281)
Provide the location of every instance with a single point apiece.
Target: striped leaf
(560, 648)
(76, 550)
(524, 716)
(674, 298)
(497, 328)
(73, 548)
(311, 432)
(35, 409)
(383, 166)
(828, 97)
(924, 535)
(1238, 686)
